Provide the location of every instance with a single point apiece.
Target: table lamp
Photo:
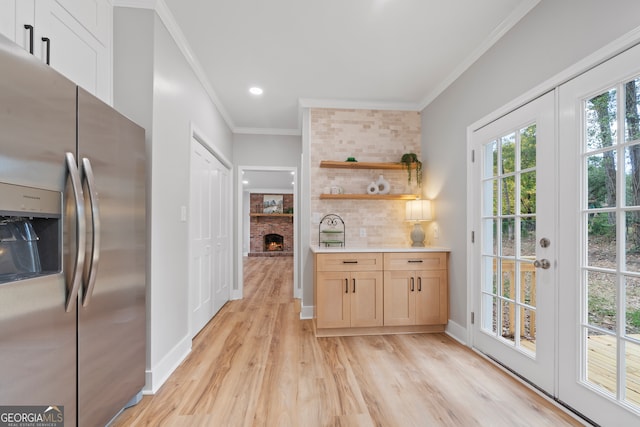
(418, 210)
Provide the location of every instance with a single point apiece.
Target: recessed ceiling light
(245, 182)
(255, 90)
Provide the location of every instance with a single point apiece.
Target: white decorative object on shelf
(372, 188)
(383, 185)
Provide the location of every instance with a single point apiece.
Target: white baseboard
(162, 370)
(457, 332)
(235, 294)
(307, 312)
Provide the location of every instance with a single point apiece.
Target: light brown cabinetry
(415, 289)
(348, 290)
(380, 293)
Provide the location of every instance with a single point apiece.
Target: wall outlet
(363, 232)
(436, 232)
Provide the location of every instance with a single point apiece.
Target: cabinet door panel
(366, 300)
(8, 18)
(399, 299)
(431, 298)
(333, 308)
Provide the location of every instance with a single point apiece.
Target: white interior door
(222, 235)
(599, 268)
(201, 237)
(514, 207)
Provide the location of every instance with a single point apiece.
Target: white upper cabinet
(73, 36)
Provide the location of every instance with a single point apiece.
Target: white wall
(552, 37)
(178, 102)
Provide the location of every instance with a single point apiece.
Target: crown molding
(267, 131)
(357, 105)
(495, 35)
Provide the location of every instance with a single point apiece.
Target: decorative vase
(372, 188)
(383, 185)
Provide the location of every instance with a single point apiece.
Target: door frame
(195, 134)
(241, 219)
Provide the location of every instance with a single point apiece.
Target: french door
(599, 268)
(514, 262)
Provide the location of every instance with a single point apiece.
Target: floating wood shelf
(271, 215)
(361, 165)
(368, 196)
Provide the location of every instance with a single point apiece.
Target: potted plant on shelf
(409, 162)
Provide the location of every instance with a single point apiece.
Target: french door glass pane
(528, 237)
(508, 150)
(632, 107)
(601, 179)
(600, 116)
(601, 297)
(528, 147)
(490, 160)
(600, 360)
(508, 236)
(632, 377)
(601, 240)
(632, 242)
(632, 175)
(508, 185)
(632, 312)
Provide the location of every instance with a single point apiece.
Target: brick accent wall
(261, 226)
(369, 136)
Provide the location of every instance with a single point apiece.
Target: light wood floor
(257, 364)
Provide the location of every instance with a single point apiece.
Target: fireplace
(273, 242)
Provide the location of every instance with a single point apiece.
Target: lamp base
(417, 235)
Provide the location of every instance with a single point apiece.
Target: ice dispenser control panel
(30, 234)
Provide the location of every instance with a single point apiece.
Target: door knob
(543, 263)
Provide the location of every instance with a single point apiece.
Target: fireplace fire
(273, 242)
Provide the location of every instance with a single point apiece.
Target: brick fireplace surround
(263, 225)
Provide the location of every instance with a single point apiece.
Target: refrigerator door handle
(76, 186)
(94, 259)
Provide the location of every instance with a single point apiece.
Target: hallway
(257, 364)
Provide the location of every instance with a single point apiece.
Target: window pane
(528, 284)
(632, 175)
(489, 314)
(601, 229)
(508, 144)
(508, 278)
(508, 237)
(489, 198)
(489, 285)
(508, 321)
(508, 196)
(601, 360)
(632, 113)
(490, 238)
(600, 114)
(632, 309)
(528, 237)
(490, 159)
(632, 234)
(601, 297)
(528, 193)
(528, 147)
(528, 329)
(632, 359)
(601, 172)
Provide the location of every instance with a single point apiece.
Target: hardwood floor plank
(257, 364)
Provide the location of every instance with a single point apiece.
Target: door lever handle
(543, 264)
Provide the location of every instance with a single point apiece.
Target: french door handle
(543, 264)
(92, 267)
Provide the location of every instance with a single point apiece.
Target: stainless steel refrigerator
(72, 246)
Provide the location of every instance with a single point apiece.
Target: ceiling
(381, 54)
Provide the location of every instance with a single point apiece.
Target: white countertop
(336, 250)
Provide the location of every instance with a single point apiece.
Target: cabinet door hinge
(473, 237)
(473, 317)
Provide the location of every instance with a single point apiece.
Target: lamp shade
(418, 210)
